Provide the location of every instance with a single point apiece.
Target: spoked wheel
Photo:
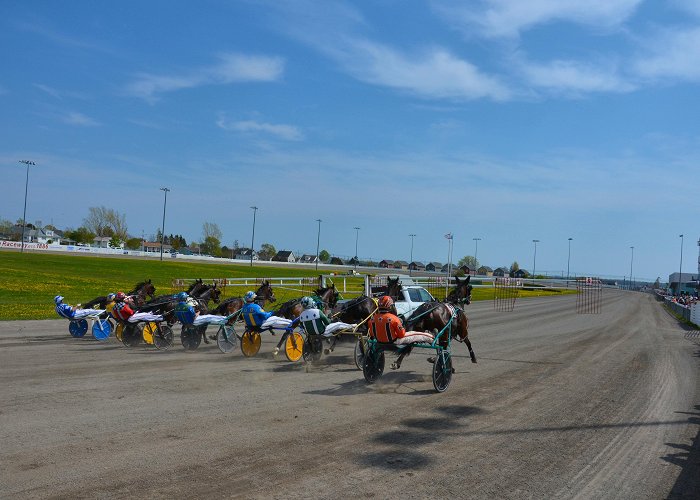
(78, 328)
(442, 371)
(294, 346)
(101, 329)
(119, 331)
(250, 343)
(163, 338)
(373, 366)
(149, 330)
(190, 337)
(313, 348)
(132, 336)
(360, 347)
(226, 339)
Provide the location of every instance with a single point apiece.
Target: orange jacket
(386, 327)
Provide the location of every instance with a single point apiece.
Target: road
(559, 405)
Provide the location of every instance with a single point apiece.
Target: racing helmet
(182, 296)
(120, 296)
(58, 299)
(385, 302)
(111, 297)
(250, 296)
(308, 303)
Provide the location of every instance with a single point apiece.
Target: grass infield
(29, 281)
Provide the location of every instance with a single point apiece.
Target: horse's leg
(404, 352)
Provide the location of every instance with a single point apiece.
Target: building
(103, 242)
(354, 262)
(501, 272)
(433, 267)
(154, 247)
(689, 282)
(337, 261)
(521, 273)
(284, 256)
(484, 271)
(386, 264)
(400, 264)
(244, 254)
(447, 267)
(308, 259)
(416, 266)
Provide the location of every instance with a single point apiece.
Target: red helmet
(385, 302)
(120, 296)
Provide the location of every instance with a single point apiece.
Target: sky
(503, 120)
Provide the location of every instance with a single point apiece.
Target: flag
(448, 236)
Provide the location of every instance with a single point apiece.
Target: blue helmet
(111, 296)
(182, 296)
(58, 299)
(250, 296)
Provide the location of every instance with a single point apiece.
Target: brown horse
(356, 311)
(138, 293)
(292, 309)
(230, 306)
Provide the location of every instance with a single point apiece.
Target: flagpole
(449, 261)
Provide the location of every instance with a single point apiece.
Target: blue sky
(499, 119)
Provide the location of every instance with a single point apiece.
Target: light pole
(534, 258)
(680, 268)
(450, 241)
(568, 261)
(631, 263)
(410, 269)
(162, 231)
(476, 249)
(26, 186)
(252, 240)
(318, 240)
(357, 237)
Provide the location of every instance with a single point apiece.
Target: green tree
(514, 267)
(469, 261)
(115, 242)
(80, 235)
(267, 251)
(211, 246)
(324, 256)
(133, 243)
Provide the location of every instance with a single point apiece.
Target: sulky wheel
(78, 327)
(442, 371)
(163, 337)
(373, 366)
(131, 336)
(294, 346)
(250, 343)
(149, 330)
(313, 348)
(101, 329)
(226, 339)
(118, 331)
(190, 337)
(359, 354)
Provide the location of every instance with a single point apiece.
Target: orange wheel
(294, 346)
(250, 343)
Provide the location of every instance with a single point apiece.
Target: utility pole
(318, 241)
(680, 268)
(252, 240)
(357, 237)
(410, 270)
(631, 263)
(162, 231)
(534, 259)
(476, 249)
(568, 261)
(26, 187)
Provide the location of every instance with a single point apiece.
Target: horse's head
(329, 296)
(393, 287)
(462, 294)
(265, 292)
(195, 286)
(215, 293)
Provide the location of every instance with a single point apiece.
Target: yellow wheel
(118, 332)
(294, 346)
(250, 343)
(148, 330)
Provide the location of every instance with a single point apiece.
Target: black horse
(356, 311)
(139, 293)
(292, 309)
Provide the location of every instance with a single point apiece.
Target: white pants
(413, 337)
(276, 323)
(206, 319)
(82, 313)
(145, 316)
(338, 325)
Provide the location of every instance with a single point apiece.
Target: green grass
(28, 282)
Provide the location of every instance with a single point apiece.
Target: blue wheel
(101, 329)
(78, 327)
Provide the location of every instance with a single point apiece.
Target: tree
(5, 226)
(133, 243)
(211, 246)
(115, 242)
(469, 261)
(80, 235)
(514, 267)
(210, 229)
(324, 256)
(104, 221)
(267, 251)
(657, 283)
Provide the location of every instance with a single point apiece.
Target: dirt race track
(559, 406)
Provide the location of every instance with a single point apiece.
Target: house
(154, 247)
(501, 272)
(484, 271)
(103, 242)
(244, 254)
(354, 262)
(45, 236)
(284, 256)
(416, 266)
(434, 267)
(308, 259)
(400, 264)
(446, 267)
(337, 261)
(688, 282)
(386, 263)
(521, 273)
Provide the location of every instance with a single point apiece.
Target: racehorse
(234, 304)
(356, 311)
(292, 309)
(139, 293)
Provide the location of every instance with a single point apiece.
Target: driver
(122, 311)
(256, 317)
(316, 322)
(187, 312)
(386, 327)
(70, 312)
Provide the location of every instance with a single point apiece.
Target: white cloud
(287, 132)
(508, 18)
(574, 77)
(230, 69)
(75, 118)
(672, 55)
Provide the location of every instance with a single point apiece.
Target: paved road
(559, 406)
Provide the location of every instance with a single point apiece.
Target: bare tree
(211, 230)
(105, 221)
